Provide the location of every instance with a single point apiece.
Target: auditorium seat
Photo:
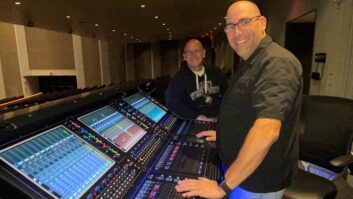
(325, 147)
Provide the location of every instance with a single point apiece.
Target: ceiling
(182, 18)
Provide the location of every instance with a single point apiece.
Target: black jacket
(185, 100)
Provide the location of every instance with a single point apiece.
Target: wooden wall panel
(91, 61)
(49, 49)
(9, 61)
(117, 62)
(142, 56)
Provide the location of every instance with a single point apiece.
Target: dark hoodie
(185, 100)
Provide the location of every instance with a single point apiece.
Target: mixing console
(145, 106)
(158, 185)
(114, 127)
(131, 148)
(153, 111)
(123, 133)
(182, 157)
(139, 118)
(186, 130)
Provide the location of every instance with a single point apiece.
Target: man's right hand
(205, 118)
(202, 118)
(209, 135)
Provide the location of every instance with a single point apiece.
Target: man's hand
(210, 135)
(201, 187)
(202, 118)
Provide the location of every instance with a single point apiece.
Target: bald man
(255, 133)
(196, 91)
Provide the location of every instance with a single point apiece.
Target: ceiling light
(143, 6)
(225, 17)
(156, 17)
(206, 34)
(131, 37)
(96, 25)
(68, 16)
(219, 24)
(170, 33)
(125, 34)
(215, 28)
(211, 31)
(163, 24)
(113, 30)
(17, 3)
(167, 29)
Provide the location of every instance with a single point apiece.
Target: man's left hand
(201, 187)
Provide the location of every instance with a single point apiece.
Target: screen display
(146, 106)
(113, 126)
(59, 162)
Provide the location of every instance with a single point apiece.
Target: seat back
(328, 130)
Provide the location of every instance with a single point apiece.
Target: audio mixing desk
(132, 147)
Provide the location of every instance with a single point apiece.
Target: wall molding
(104, 62)
(78, 57)
(348, 62)
(22, 52)
(2, 83)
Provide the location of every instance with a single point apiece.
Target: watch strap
(225, 187)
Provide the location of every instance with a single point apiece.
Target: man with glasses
(196, 91)
(256, 136)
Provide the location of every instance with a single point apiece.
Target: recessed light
(68, 16)
(113, 30)
(170, 33)
(163, 24)
(156, 17)
(206, 34)
(215, 28)
(211, 31)
(202, 36)
(219, 24)
(225, 17)
(167, 29)
(96, 25)
(17, 3)
(143, 6)
(125, 34)
(131, 37)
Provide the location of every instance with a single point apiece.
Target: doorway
(299, 39)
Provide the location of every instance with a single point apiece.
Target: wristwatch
(225, 187)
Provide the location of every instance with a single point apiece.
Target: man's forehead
(193, 45)
(238, 14)
(241, 10)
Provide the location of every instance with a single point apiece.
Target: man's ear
(263, 22)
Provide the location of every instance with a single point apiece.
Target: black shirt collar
(267, 40)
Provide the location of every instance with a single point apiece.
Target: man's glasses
(242, 24)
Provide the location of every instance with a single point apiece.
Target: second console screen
(113, 126)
